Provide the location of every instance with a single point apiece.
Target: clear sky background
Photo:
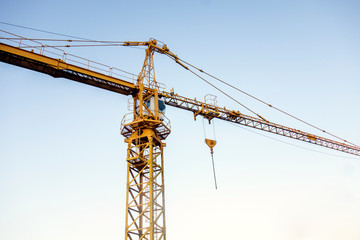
(62, 158)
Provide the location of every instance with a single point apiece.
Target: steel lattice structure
(146, 127)
(210, 111)
(145, 201)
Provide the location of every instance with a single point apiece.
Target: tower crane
(146, 127)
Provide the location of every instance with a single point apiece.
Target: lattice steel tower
(144, 130)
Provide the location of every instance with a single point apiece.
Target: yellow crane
(146, 127)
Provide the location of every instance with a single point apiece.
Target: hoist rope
(212, 154)
(224, 93)
(291, 144)
(213, 122)
(73, 58)
(115, 43)
(269, 105)
(213, 165)
(99, 43)
(66, 40)
(204, 127)
(83, 45)
(39, 30)
(79, 39)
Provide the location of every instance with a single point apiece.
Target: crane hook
(211, 143)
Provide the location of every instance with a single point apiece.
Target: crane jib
(58, 68)
(238, 118)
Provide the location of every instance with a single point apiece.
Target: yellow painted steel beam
(210, 112)
(145, 201)
(59, 68)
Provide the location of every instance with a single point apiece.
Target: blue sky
(62, 159)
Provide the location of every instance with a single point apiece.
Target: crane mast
(146, 126)
(144, 132)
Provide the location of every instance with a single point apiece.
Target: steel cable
(115, 43)
(282, 111)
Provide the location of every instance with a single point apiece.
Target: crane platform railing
(58, 53)
(58, 68)
(128, 122)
